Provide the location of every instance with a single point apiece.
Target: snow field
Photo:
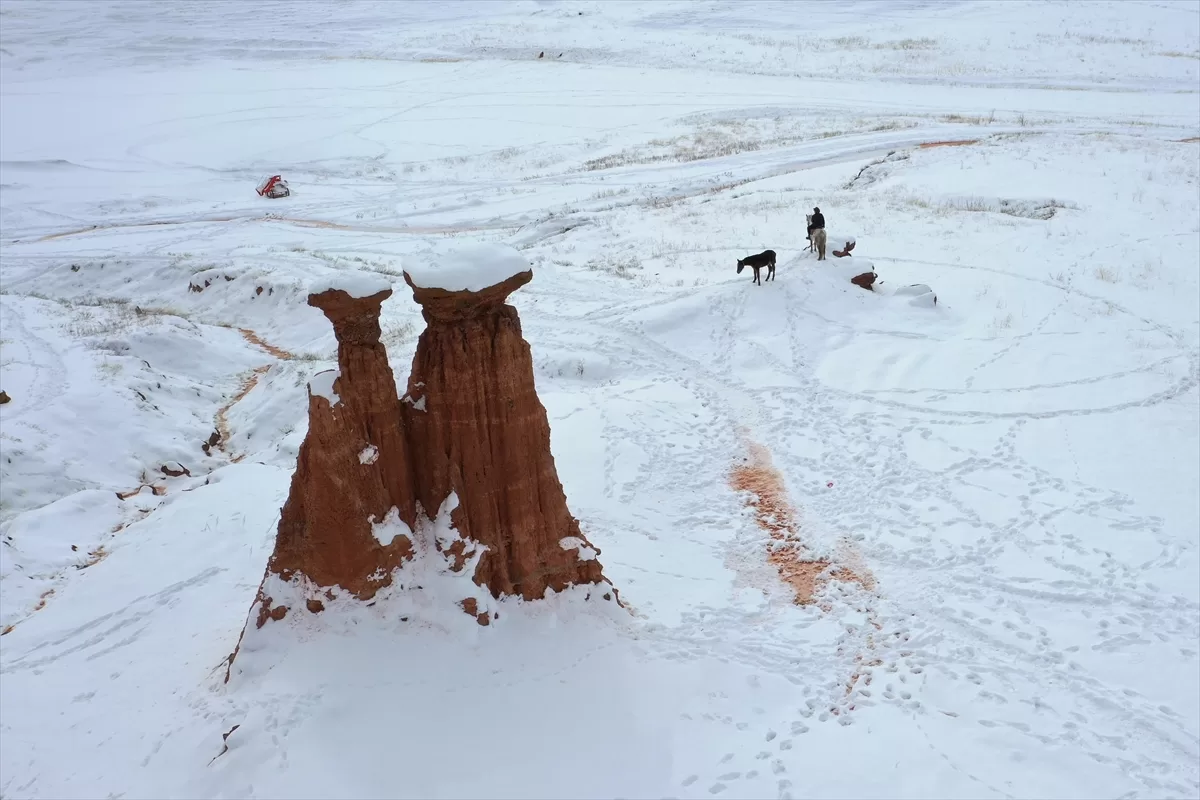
(1014, 467)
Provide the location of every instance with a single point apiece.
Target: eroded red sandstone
(325, 529)
(474, 418)
(471, 424)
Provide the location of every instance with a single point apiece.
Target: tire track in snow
(297, 221)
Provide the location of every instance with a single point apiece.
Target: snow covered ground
(1011, 476)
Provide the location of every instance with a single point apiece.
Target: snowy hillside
(994, 496)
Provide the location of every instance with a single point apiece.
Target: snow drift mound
(861, 272)
(470, 442)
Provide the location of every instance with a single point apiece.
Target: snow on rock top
(358, 284)
(472, 268)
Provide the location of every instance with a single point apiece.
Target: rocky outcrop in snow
(865, 279)
(483, 434)
(456, 479)
(325, 529)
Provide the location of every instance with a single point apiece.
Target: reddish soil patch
(158, 491)
(951, 143)
(93, 228)
(46, 595)
(222, 413)
(248, 384)
(41, 603)
(253, 338)
(94, 557)
(806, 574)
(775, 514)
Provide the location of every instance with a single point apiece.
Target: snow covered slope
(1004, 484)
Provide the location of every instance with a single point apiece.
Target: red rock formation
(471, 429)
(325, 530)
(865, 280)
(847, 250)
(474, 418)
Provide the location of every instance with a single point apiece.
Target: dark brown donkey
(764, 259)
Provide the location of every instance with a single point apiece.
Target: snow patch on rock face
(418, 405)
(391, 527)
(575, 543)
(427, 591)
(321, 385)
(358, 284)
(470, 268)
(442, 531)
(369, 455)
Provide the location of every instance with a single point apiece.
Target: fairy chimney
(474, 417)
(353, 468)
(457, 478)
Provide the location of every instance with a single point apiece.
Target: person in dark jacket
(816, 233)
(818, 221)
